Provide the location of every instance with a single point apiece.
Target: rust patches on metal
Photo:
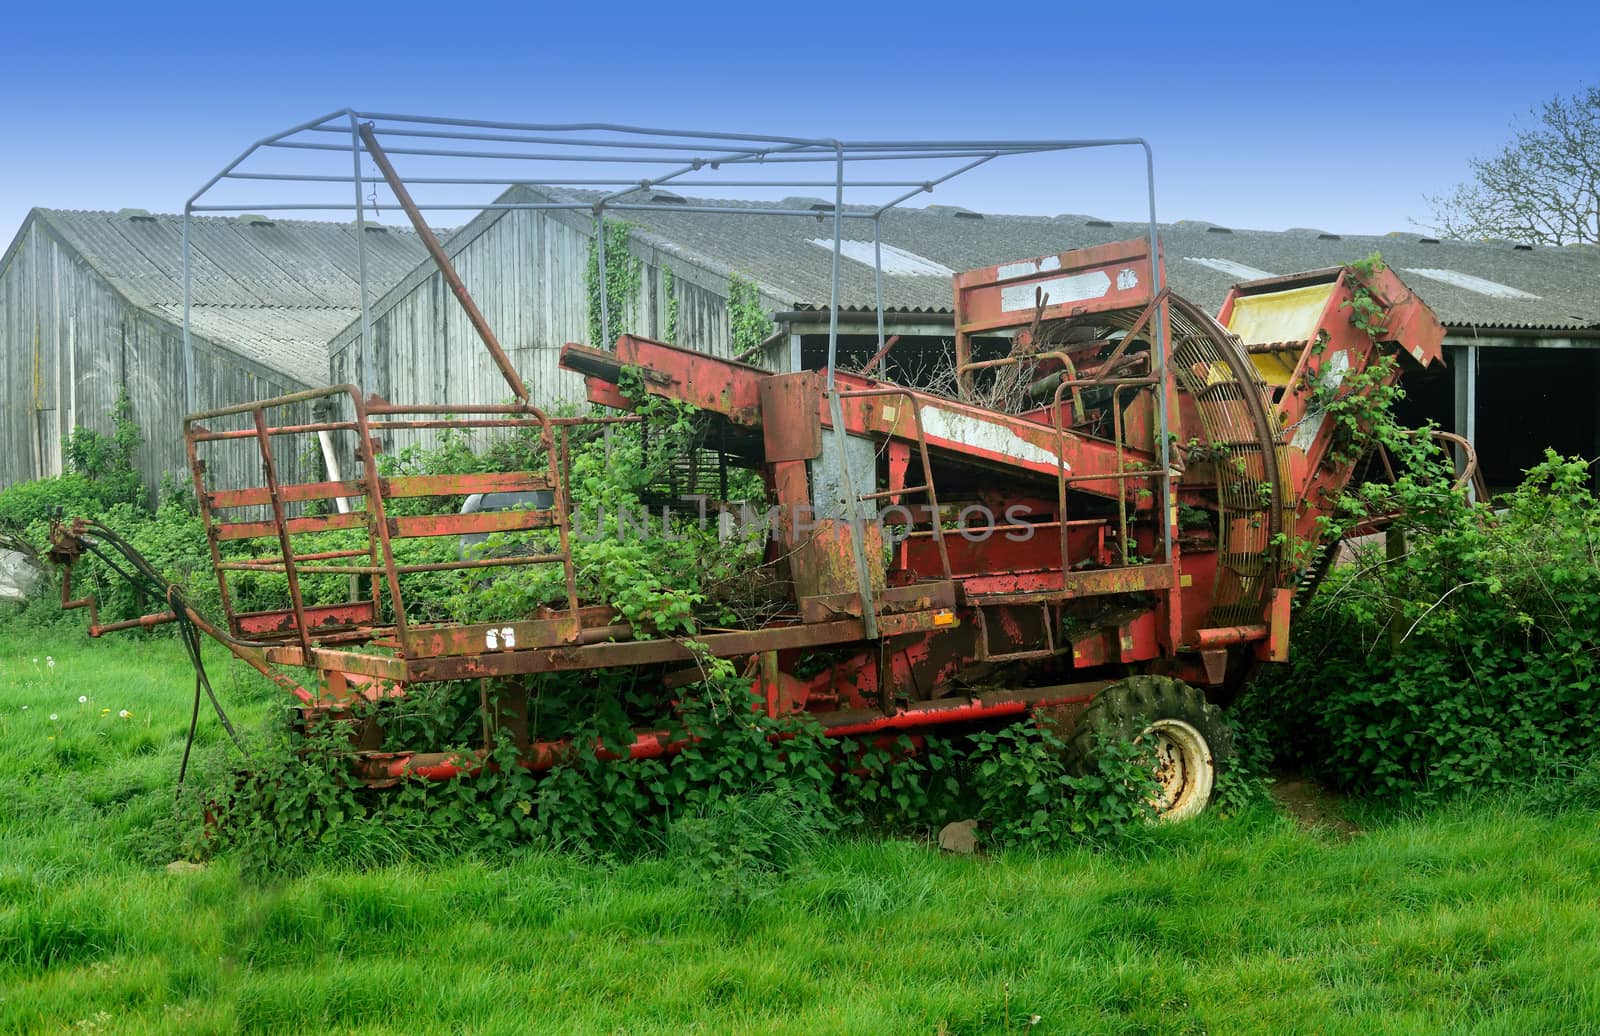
(790, 404)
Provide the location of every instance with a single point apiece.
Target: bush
(1470, 663)
(1027, 796)
(102, 484)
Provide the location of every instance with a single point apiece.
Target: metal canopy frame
(460, 153)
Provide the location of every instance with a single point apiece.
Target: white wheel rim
(1184, 770)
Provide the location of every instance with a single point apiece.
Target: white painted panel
(954, 426)
(1028, 266)
(1060, 290)
(896, 261)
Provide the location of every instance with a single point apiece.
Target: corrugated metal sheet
(525, 268)
(274, 291)
(777, 251)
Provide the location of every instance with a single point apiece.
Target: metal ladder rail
(1120, 476)
(497, 416)
(377, 491)
(196, 434)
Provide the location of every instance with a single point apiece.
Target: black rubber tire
(1126, 709)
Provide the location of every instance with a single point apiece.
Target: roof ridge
(234, 219)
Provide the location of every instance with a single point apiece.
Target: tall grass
(1479, 917)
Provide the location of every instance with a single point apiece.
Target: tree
(1542, 188)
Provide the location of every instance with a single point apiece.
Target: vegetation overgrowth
(1469, 660)
(1465, 662)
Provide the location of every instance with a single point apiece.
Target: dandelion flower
(83, 699)
(49, 661)
(52, 737)
(125, 714)
(36, 661)
(105, 712)
(54, 717)
(24, 708)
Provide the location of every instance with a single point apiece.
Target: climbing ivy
(669, 288)
(108, 459)
(623, 276)
(748, 323)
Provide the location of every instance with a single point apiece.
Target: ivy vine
(669, 288)
(623, 275)
(748, 323)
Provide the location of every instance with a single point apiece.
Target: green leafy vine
(669, 288)
(623, 276)
(748, 323)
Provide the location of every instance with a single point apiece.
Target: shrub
(1027, 797)
(1470, 662)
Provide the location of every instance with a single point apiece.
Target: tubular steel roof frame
(677, 154)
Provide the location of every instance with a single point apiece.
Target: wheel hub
(1184, 771)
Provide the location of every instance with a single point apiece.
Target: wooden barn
(529, 271)
(91, 307)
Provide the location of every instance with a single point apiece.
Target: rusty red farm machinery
(1128, 539)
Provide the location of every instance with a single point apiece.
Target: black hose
(145, 577)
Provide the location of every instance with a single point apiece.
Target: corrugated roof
(777, 252)
(274, 291)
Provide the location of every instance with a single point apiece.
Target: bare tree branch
(1542, 188)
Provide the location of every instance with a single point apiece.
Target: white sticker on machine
(1061, 290)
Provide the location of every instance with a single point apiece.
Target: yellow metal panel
(1279, 316)
(1275, 368)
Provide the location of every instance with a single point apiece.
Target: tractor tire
(1191, 741)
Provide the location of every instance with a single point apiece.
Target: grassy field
(1478, 919)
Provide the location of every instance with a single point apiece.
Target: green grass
(1477, 918)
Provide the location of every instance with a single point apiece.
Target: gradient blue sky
(1343, 116)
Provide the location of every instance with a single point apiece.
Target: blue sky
(1343, 117)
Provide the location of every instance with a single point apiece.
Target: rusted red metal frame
(384, 768)
(1257, 408)
(879, 356)
(1470, 477)
(1053, 354)
(253, 655)
(269, 469)
(1033, 587)
(1120, 475)
(1407, 322)
(979, 294)
(441, 665)
(382, 531)
(1471, 474)
(732, 390)
(1161, 298)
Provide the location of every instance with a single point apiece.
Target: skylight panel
(896, 261)
(1231, 268)
(1493, 289)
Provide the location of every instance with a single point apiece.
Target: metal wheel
(1185, 770)
(1190, 740)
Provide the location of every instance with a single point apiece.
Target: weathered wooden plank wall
(72, 344)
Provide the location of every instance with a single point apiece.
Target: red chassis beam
(384, 768)
(953, 429)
